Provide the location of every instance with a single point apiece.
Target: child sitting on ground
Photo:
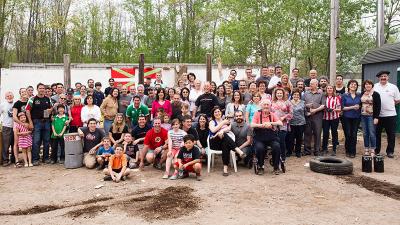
(175, 142)
(189, 158)
(131, 149)
(24, 139)
(58, 127)
(104, 153)
(117, 169)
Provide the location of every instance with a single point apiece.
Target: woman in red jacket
(76, 109)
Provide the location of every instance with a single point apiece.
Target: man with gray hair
(140, 93)
(6, 112)
(313, 75)
(315, 104)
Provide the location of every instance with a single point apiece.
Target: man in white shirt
(7, 123)
(276, 79)
(390, 96)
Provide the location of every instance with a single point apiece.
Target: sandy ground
(298, 197)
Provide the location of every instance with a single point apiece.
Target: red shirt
(155, 140)
(76, 116)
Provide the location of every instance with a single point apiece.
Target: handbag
(265, 134)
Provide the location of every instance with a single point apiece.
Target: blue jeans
(369, 133)
(107, 125)
(41, 133)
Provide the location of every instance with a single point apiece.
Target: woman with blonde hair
(286, 84)
(118, 129)
(76, 112)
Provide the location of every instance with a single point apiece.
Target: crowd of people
(124, 128)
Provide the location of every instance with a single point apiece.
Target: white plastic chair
(212, 152)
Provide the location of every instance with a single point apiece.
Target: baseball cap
(70, 91)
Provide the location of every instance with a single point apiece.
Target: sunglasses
(63, 98)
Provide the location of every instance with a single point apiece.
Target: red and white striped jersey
(332, 102)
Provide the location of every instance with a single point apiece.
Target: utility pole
(333, 36)
(380, 35)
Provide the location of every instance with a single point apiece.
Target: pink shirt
(281, 109)
(166, 106)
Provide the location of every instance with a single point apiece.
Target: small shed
(387, 58)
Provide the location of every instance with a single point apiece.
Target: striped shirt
(26, 140)
(332, 102)
(177, 138)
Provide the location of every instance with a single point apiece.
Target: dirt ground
(50, 194)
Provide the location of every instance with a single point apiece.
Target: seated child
(104, 153)
(117, 169)
(189, 158)
(131, 149)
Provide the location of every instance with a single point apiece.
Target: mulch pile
(381, 187)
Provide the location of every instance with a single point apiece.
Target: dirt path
(297, 197)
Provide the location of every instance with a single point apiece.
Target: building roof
(386, 53)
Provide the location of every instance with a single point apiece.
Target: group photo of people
(269, 116)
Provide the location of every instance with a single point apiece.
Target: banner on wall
(124, 76)
(150, 72)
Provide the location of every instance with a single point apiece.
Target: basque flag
(124, 76)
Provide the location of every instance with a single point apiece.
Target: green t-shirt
(134, 113)
(58, 123)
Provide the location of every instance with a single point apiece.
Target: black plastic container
(379, 166)
(366, 164)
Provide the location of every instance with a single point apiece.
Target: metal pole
(333, 35)
(141, 68)
(380, 35)
(67, 71)
(209, 67)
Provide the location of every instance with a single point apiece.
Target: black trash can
(366, 164)
(379, 164)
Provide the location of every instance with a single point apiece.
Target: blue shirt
(347, 101)
(102, 151)
(252, 108)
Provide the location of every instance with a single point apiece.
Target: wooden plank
(209, 67)
(67, 71)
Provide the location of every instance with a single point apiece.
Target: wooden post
(209, 67)
(141, 68)
(333, 36)
(67, 71)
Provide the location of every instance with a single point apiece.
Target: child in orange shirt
(117, 166)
